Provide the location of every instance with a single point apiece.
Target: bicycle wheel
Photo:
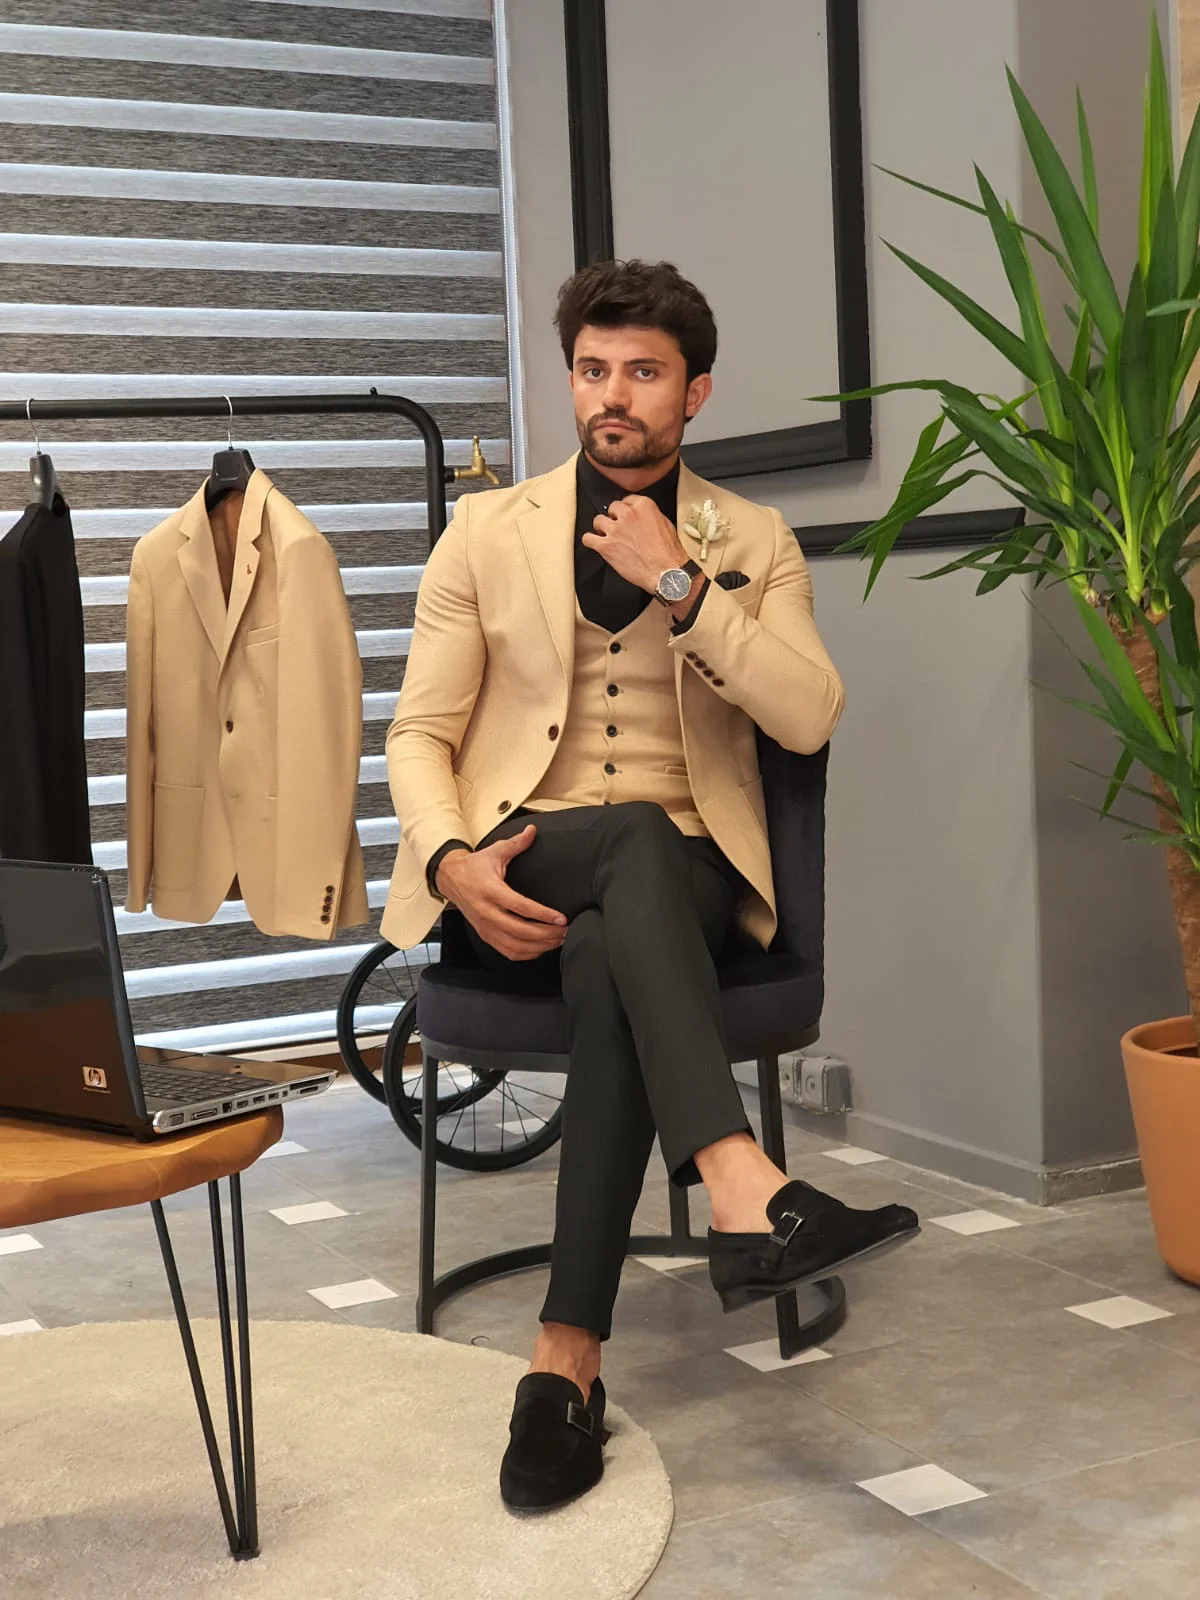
(487, 1121)
(377, 988)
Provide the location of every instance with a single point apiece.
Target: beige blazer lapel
(547, 532)
(694, 491)
(198, 563)
(245, 558)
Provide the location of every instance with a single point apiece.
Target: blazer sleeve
(774, 666)
(319, 739)
(139, 734)
(441, 684)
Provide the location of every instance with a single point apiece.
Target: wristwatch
(675, 583)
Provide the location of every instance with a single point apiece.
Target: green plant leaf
(970, 205)
(994, 331)
(1079, 237)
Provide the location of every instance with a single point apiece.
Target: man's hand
(473, 881)
(637, 541)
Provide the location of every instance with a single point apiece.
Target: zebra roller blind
(233, 197)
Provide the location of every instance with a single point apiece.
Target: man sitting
(573, 763)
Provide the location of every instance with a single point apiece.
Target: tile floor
(1012, 1408)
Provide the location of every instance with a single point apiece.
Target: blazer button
(325, 917)
(691, 656)
(229, 727)
(328, 888)
(504, 805)
(718, 683)
(552, 731)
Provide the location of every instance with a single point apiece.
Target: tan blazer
(490, 666)
(244, 724)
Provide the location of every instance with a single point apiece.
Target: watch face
(674, 584)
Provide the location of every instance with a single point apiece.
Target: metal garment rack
(240, 1516)
(259, 405)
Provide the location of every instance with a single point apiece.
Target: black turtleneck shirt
(605, 597)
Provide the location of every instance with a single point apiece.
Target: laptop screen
(62, 1010)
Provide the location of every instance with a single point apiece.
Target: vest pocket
(676, 772)
(177, 812)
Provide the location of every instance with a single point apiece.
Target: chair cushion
(772, 1002)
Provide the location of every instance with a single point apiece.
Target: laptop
(67, 1052)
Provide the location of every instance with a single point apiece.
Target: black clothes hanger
(231, 469)
(43, 480)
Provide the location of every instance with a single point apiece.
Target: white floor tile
(337, 1295)
(921, 1489)
(854, 1157)
(671, 1263)
(311, 1211)
(16, 1243)
(973, 1222)
(285, 1147)
(764, 1356)
(28, 1326)
(1120, 1311)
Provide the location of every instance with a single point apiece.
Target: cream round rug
(377, 1470)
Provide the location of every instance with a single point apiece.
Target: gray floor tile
(732, 1438)
(1110, 1242)
(1126, 1531)
(1178, 1333)
(940, 1281)
(837, 1545)
(1033, 1398)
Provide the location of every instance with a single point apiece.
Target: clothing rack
(260, 405)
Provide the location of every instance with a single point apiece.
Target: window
(250, 196)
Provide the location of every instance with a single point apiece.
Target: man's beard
(640, 446)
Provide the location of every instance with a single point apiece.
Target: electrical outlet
(820, 1083)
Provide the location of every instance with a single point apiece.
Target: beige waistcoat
(636, 732)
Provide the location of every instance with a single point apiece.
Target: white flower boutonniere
(705, 525)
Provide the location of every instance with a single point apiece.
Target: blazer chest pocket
(178, 809)
(265, 635)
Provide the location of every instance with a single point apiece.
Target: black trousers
(648, 909)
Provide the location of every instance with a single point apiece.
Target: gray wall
(987, 939)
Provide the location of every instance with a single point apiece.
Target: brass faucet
(478, 468)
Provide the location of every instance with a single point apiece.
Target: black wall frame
(814, 444)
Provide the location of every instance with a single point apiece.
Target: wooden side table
(48, 1172)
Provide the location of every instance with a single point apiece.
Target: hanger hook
(33, 424)
(229, 423)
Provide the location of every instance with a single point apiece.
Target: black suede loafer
(556, 1445)
(812, 1236)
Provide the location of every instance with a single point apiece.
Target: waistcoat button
(612, 689)
(609, 768)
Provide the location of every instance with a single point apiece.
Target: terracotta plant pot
(1163, 1074)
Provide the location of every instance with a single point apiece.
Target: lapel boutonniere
(706, 525)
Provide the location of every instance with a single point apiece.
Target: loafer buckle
(786, 1229)
(580, 1417)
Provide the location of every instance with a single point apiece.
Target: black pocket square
(732, 580)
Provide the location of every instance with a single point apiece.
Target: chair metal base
(241, 1516)
(806, 1316)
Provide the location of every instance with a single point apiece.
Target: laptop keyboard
(170, 1083)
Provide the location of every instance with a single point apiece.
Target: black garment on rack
(43, 766)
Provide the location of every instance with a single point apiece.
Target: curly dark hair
(638, 294)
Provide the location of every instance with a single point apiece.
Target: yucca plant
(1100, 447)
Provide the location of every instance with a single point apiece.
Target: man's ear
(698, 392)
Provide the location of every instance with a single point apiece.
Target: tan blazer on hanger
(489, 675)
(244, 724)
